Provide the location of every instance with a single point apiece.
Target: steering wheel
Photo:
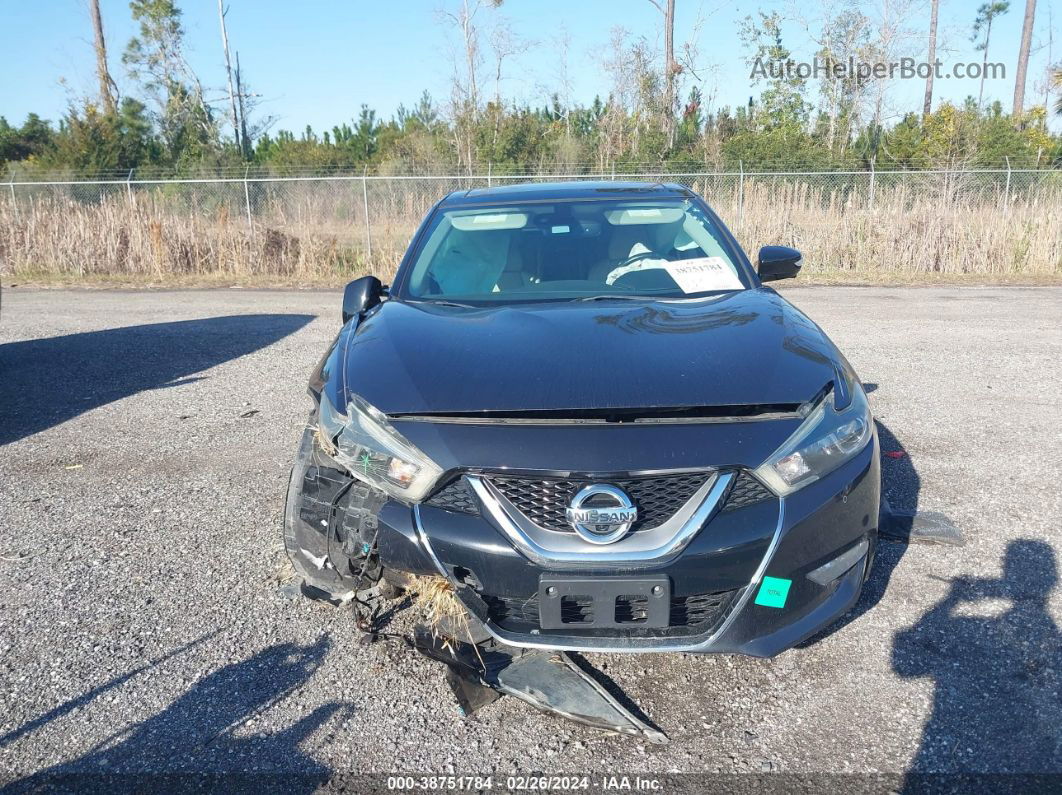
(629, 261)
(636, 258)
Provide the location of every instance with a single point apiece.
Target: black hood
(745, 348)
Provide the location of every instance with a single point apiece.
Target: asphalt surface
(145, 441)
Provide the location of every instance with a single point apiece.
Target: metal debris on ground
(480, 670)
(918, 527)
(547, 679)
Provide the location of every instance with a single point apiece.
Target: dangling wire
(365, 613)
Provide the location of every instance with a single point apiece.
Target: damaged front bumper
(755, 576)
(331, 522)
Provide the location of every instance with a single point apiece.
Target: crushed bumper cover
(713, 584)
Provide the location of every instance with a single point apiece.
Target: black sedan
(580, 405)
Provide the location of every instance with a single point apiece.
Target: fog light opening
(827, 573)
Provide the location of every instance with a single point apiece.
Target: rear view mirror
(778, 262)
(360, 295)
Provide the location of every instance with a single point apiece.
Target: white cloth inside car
(681, 243)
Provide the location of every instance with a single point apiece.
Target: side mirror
(778, 262)
(360, 295)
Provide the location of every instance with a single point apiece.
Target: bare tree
(244, 136)
(689, 62)
(671, 68)
(228, 72)
(465, 81)
(464, 19)
(1046, 83)
(468, 31)
(842, 33)
(986, 14)
(851, 40)
(927, 105)
(563, 43)
(693, 65)
(155, 58)
(868, 31)
(613, 126)
(108, 88)
(1023, 58)
(504, 44)
(893, 39)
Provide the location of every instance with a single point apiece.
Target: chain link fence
(334, 226)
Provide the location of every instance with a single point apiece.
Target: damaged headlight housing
(826, 439)
(372, 451)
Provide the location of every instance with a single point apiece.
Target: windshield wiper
(687, 297)
(444, 302)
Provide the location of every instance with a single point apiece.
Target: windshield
(573, 250)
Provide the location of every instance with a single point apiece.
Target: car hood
(745, 348)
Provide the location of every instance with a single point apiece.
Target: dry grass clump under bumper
(443, 614)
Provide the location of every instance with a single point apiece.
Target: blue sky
(316, 62)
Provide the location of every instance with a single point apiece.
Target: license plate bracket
(604, 602)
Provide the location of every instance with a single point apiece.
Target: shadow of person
(994, 654)
(196, 736)
(73, 704)
(45, 382)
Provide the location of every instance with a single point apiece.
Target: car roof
(562, 191)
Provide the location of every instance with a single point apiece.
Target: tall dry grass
(906, 235)
(145, 239)
(300, 233)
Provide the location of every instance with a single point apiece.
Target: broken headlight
(363, 441)
(824, 441)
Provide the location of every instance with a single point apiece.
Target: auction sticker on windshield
(702, 274)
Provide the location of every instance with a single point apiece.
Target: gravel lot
(145, 440)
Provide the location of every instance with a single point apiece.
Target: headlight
(372, 451)
(824, 441)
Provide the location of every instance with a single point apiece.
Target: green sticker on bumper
(773, 592)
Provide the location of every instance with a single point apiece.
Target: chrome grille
(544, 500)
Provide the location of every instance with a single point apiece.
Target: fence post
(872, 174)
(741, 193)
(247, 201)
(365, 209)
(1006, 191)
(14, 204)
(128, 186)
(490, 168)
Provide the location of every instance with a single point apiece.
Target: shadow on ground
(995, 656)
(198, 737)
(45, 382)
(73, 704)
(990, 646)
